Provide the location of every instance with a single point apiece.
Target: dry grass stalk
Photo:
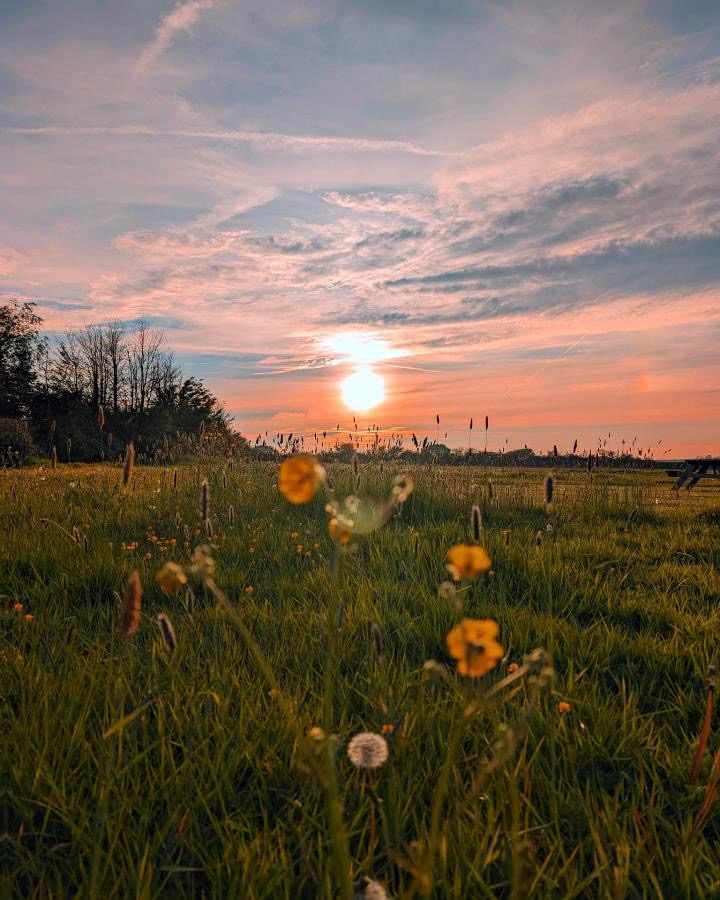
(54, 457)
(710, 794)
(704, 735)
(205, 504)
(130, 619)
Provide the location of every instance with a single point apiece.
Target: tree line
(84, 396)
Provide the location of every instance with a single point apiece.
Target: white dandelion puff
(367, 750)
(374, 890)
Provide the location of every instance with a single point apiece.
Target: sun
(363, 390)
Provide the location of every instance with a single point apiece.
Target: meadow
(217, 765)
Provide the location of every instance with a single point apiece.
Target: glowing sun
(363, 390)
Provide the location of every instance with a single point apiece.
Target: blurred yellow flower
(28, 617)
(171, 578)
(564, 707)
(18, 607)
(339, 531)
(472, 642)
(300, 478)
(466, 561)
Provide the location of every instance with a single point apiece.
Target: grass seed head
(130, 618)
(167, 631)
(129, 464)
(548, 488)
(476, 523)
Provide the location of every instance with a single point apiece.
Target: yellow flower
(339, 531)
(466, 561)
(300, 478)
(564, 707)
(18, 607)
(28, 617)
(171, 578)
(473, 644)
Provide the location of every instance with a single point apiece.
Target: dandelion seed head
(367, 750)
(402, 487)
(374, 890)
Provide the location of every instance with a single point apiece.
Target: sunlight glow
(363, 390)
(361, 349)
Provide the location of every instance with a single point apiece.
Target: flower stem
(441, 789)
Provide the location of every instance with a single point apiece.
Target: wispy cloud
(268, 140)
(182, 18)
(523, 204)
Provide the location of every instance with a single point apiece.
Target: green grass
(213, 790)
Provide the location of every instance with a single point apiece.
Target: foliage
(135, 768)
(19, 344)
(93, 391)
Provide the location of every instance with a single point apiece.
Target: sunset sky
(502, 209)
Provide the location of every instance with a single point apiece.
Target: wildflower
(249, 589)
(171, 578)
(466, 561)
(367, 750)
(18, 607)
(133, 545)
(202, 563)
(564, 707)
(130, 619)
(447, 590)
(340, 530)
(167, 631)
(316, 733)
(402, 487)
(512, 668)
(28, 617)
(300, 478)
(388, 728)
(473, 644)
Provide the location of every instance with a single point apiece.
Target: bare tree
(143, 356)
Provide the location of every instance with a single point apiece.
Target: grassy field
(131, 770)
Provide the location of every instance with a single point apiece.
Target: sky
(508, 209)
